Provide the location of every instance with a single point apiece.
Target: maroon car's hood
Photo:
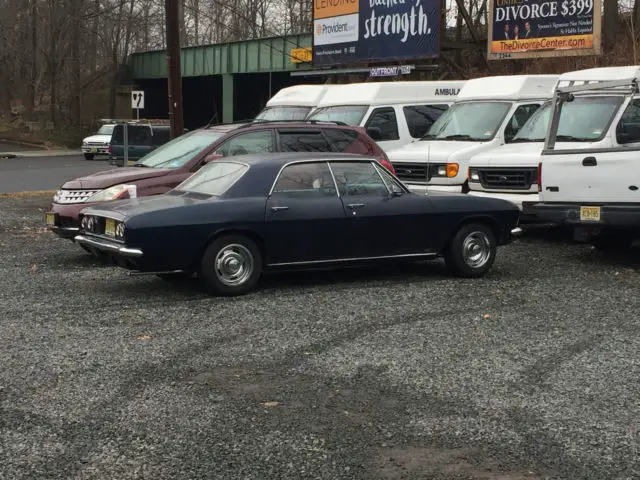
(116, 176)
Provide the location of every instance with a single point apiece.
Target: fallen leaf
(144, 337)
(271, 404)
(486, 315)
(34, 268)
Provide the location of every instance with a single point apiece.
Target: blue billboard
(357, 31)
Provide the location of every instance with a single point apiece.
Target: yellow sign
(334, 8)
(300, 55)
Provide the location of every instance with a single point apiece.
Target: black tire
(240, 249)
(479, 237)
(88, 156)
(175, 277)
(608, 240)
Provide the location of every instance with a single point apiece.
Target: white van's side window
(421, 117)
(519, 118)
(383, 121)
(628, 129)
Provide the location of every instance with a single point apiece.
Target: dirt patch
(396, 463)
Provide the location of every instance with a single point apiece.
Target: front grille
(66, 197)
(508, 179)
(97, 144)
(412, 172)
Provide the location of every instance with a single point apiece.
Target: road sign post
(137, 101)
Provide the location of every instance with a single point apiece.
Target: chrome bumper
(108, 247)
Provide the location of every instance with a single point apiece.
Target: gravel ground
(531, 372)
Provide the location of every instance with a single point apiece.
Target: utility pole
(174, 70)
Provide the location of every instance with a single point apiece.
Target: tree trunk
(76, 74)
(33, 61)
(610, 23)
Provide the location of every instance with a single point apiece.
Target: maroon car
(163, 169)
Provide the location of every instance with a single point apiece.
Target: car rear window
(348, 141)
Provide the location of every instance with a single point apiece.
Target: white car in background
(99, 143)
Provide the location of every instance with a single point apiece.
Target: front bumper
(107, 247)
(96, 150)
(612, 215)
(426, 189)
(524, 202)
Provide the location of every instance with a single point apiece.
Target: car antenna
(210, 123)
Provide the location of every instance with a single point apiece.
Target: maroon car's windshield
(180, 150)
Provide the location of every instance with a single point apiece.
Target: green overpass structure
(253, 62)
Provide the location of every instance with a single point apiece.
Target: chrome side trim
(63, 229)
(137, 273)
(354, 259)
(108, 247)
(335, 182)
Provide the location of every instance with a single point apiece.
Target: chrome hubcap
(476, 249)
(234, 265)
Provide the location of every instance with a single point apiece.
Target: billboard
(543, 28)
(356, 31)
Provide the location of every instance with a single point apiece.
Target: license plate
(51, 219)
(590, 214)
(94, 150)
(110, 227)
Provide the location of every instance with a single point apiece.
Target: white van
(488, 113)
(393, 113)
(590, 165)
(293, 103)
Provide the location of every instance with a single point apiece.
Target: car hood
(116, 176)
(98, 138)
(510, 155)
(430, 151)
(123, 209)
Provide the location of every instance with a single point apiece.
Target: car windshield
(213, 179)
(585, 119)
(106, 130)
(472, 121)
(180, 150)
(284, 113)
(349, 114)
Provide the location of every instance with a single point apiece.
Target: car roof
(281, 159)
(260, 124)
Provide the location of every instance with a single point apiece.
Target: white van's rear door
(593, 175)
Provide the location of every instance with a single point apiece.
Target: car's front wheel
(231, 265)
(88, 156)
(472, 251)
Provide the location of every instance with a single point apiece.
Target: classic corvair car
(238, 217)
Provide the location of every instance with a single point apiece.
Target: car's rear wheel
(88, 156)
(231, 265)
(613, 240)
(472, 251)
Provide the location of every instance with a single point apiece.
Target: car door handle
(277, 209)
(589, 162)
(353, 206)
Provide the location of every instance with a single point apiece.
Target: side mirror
(211, 157)
(375, 133)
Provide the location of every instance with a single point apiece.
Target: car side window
(382, 124)
(421, 117)
(628, 129)
(303, 141)
(305, 180)
(518, 119)
(246, 143)
(348, 141)
(358, 179)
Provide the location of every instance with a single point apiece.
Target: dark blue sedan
(238, 217)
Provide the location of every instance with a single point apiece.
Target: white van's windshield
(471, 121)
(349, 114)
(585, 119)
(284, 113)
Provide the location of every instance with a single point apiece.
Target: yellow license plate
(110, 227)
(51, 219)
(590, 214)
(94, 150)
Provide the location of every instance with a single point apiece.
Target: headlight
(120, 230)
(448, 170)
(112, 193)
(474, 176)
